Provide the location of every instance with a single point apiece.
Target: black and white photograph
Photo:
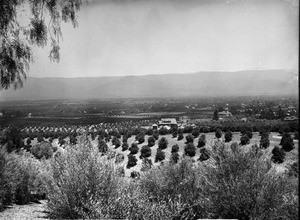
(149, 109)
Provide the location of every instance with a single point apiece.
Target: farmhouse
(168, 122)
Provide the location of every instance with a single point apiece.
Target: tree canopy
(40, 24)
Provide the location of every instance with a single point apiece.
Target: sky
(140, 37)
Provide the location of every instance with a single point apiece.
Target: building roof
(167, 121)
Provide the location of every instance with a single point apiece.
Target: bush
(294, 169)
(160, 155)
(228, 136)
(174, 157)
(180, 137)
(189, 139)
(131, 161)
(238, 178)
(82, 183)
(190, 150)
(135, 175)
(296, 136)
(278, 155)
(134, 149)
(119, 158)
(20, 174)
(245, 140)
(124, 146)
(151, 141)
(146, 164)
(145, 152)
(218, 133)
(163, 143)
(174, 134)
(201, 141)
(175, 148)
(43, 149)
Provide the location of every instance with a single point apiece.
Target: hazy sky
(141, 37)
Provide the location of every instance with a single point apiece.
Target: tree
(163, 143)
(245, 139)
(145, 152)
(189, 138)
(216, 115)
(146, 164)
(201, 141)
(116, 141)
(180, 137)
(264, 142)
(175, 148)
(151, 141)
(195, 132)
(278, 155)
(190, 150)
(140, 137)
(228, 136)
(13, 139)
(204, 155)
(160, 155)
(102, 146)
(16, 38)
(218, 133)
(124, 146)
(134, 149)
(131, 161)
(174, 157)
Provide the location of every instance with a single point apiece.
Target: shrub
(175, 148)
(180, 137)
(145, 152)
(218, 133)
(245, 140)
(228, 136)
(189, 139)
(238, 178)
(296, 136)
(160, 155)
(278, 155)
(82, 183)
(134, 149)
(73, 140)
(201, 141)
(190, 150)
(124, 146)
(151, 141)
(131, 161)
(174, 157)
(43, 149)
(135, 175)
(294, 169)
(40, 139)
(146, 164)
(162, 143)
(119, 158)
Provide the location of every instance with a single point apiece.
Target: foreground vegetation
(88, 181)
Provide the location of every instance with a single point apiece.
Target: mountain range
(200, 84)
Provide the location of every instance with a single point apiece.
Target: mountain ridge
(208, 83)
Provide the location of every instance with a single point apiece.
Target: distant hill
(252, 82)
